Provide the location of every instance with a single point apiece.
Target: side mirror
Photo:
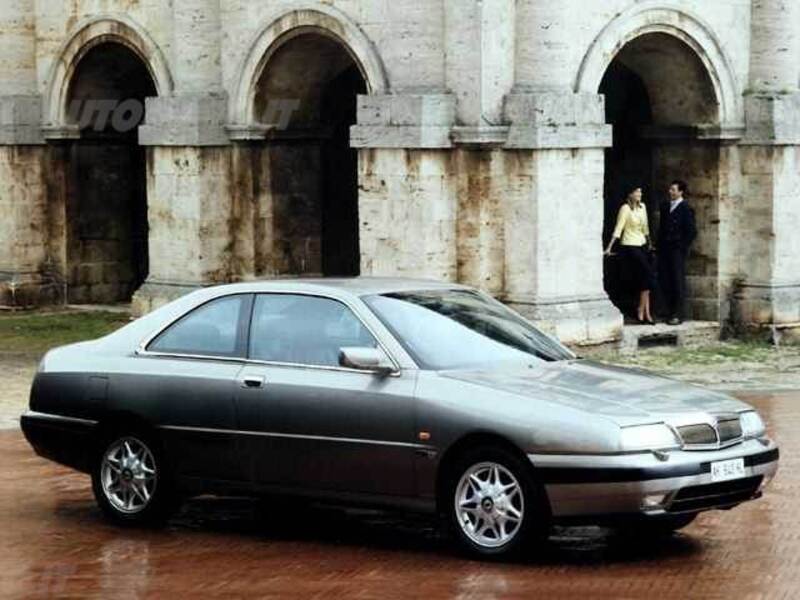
(365, 359)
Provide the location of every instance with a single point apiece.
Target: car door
(188, 375)
(312, 423)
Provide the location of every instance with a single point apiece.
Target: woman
(633, 231)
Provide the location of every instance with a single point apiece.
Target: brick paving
(54, 543)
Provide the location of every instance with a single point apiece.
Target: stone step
(687, 334)
(121, 308)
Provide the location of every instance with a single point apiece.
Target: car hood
(626, 396)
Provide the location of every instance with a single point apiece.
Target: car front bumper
(646, 484)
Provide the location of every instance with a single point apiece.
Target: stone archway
(93, 105)
(310, 17)
(654, 16)
(295, 159)
(670, 99)
(88, 34)
(312, 180)
(659, 100)
(106, 225)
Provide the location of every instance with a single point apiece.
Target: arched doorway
(660, 101)
(307, 181)
(106, 204)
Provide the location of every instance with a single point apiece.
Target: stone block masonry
(472, 141)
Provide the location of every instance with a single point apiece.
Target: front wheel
(130, 481)
(496, 507)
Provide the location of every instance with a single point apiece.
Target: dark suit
(676, 233)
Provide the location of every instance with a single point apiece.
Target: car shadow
(285, 521)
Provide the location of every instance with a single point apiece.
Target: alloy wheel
(489, 504)
(128, 475)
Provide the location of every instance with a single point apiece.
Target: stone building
(481, 141)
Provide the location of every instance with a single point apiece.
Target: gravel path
(18, 371)
(757, 369)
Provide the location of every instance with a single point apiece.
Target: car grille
(697, 435)
(715, 495)
(729, 429)
(726, 431)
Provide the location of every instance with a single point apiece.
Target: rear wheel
(130, 480)
(495, 506)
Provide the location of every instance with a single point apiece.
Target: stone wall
(407, 211)
(480, 137)
(23, 251)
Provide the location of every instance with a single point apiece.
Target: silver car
(389, 392)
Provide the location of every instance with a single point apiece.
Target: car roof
(357, 286)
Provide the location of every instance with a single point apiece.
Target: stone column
(479, 63)
(479, 41)
(197, 47)
(412, 45)
(497, 184)
(553, 204)
(768, 296)
(430, 160)
(407, 204)
(23, 200)
(774, 46)
(195, 113)
(189, 164)
(543, 47)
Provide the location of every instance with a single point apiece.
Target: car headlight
(752, 424)
(648, 437)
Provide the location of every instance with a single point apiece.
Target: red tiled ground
(53, 542)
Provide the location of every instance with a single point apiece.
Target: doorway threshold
(687, 334)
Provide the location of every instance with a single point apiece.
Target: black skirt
(637, 261)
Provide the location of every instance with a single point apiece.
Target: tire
(131, 480)
(655, 526)
(494, 506)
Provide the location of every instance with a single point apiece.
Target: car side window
(307, 330)
(209, 330)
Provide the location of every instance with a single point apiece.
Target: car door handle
(253, 381)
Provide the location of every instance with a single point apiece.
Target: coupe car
(387, 392)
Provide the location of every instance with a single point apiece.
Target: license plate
(725, 470)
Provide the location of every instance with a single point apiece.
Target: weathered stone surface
(772, 119)
(556, 120)
(407, 212)
(20, 120)
(186, 120)
(480, 135)
(189, 213)
(404, 121)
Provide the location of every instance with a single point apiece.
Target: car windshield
(456, 329)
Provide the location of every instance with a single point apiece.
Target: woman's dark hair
(631, 189)
(681, 185)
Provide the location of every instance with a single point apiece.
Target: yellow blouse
(632, 225)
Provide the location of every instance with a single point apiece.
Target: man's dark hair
(681, 184)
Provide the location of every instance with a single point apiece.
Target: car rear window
(212, 329)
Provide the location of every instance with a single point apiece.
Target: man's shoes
(674, 321)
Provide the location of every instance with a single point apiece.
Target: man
(675, 235)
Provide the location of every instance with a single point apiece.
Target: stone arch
(664, 132)
(656, 17)
(89, 34)
(303, 19)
